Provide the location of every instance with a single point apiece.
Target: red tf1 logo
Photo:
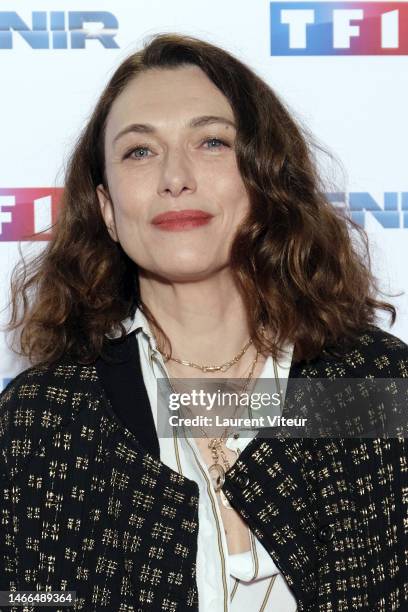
(339, 28)
(28, 214)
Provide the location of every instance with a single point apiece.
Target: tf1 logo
(59, 30)
(28, 214)
(339, 28)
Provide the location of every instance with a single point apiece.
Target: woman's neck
(205, 321)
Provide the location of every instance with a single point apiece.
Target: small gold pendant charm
(217, 474)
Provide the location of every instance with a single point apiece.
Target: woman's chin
(187, 273)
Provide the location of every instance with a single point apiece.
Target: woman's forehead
(167, 96)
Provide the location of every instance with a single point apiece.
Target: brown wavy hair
(294, 260)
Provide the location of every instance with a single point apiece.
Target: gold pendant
(217, 474)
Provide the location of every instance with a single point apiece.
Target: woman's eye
(215, 141)
(142, 149)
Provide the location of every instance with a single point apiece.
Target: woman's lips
(181, 219)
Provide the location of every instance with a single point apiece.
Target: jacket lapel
(120, 375)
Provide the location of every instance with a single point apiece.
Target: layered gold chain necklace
(216, 470)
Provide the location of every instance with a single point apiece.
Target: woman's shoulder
(39, 400)
(382, 351)
(374, 335)
(48, 379)
(372, 352)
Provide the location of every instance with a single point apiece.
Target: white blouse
(225, 582)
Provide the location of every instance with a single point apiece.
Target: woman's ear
(107, 212)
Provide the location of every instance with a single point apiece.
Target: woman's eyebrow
(147, 128)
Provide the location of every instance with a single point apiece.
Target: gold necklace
(210, 368)
(216, 470)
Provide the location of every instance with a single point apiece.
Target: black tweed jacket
(86, 505)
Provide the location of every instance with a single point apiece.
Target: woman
(195, 241)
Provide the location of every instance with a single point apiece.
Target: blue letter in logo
(360, 203)
(79, 34)
(38, 37)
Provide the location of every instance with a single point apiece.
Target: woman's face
(165, 152)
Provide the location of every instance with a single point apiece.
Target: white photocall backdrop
(354, 105)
